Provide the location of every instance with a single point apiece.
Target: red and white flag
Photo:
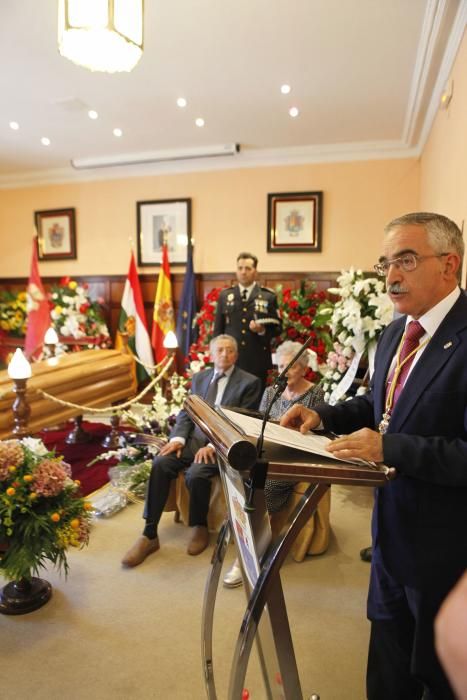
(133, 321)
(37, 307)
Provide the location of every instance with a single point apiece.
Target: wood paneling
(110, 288)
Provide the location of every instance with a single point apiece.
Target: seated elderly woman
(298, 390)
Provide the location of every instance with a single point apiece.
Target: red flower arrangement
(297, 308)
(198, 355)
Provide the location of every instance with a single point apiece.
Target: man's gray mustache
(396, 288)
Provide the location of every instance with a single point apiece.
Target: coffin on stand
(93, 378)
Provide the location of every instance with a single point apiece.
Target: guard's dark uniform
(233, 316)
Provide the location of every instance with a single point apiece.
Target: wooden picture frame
(56, 234)
(294, 222)
(169, 218)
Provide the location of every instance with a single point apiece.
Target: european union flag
(188, 307)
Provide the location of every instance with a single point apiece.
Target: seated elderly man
(188, 449)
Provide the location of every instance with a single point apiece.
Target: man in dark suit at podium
(414, 419)
(188, 449)
(240, 312)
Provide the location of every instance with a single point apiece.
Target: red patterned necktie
(413, 334)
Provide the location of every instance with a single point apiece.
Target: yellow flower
(74, 523)
(55, 517)
(32, 496)
(10, 491)
(58, 309)
(5, 325)
(72, 284)
(87, 506)
(27, 478)
(22, 296)
(12, 469)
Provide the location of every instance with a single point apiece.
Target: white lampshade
(170, 341)
(19, 367)
(51, 337)
(102, 35)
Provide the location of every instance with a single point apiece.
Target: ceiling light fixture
(14, 126)
(92, 114)
(181, 102)
(199, 122)
(294, 112)
(228, 149)
(117, 132)
(101, 35)
(285, 89)
(45, 141)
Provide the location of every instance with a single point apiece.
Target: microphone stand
(260, 468)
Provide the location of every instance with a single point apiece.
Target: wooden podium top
(284, 463)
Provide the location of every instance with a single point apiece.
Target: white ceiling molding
(246, 158)
(449, 58)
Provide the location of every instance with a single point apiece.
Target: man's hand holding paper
(363, 444)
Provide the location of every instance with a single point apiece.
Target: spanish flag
(163, 318)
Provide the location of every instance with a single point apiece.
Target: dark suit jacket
(233, 316)
(243, 390)
(420, 519)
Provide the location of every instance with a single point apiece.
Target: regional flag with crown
(133, 322)
(163, 319)
(37, 307)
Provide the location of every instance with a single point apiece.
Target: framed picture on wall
(56, 234)
(294, 222)
(163, 220)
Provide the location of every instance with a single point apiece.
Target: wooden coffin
(92, 378)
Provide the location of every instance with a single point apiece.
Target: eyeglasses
(407, 263)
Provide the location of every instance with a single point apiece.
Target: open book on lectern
(286, 437)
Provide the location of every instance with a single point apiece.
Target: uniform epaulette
(268, 289)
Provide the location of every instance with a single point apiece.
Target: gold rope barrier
(130, 402)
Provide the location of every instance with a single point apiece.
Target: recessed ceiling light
(92, 114)
(45, 141)
(293, 111)
(14, 126)
(181, 102)
(285, 89)
(117, 132)
(199, 122)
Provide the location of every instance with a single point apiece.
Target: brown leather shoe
(199, 540)
(140, 550)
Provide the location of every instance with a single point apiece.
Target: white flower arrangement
(356, 321)
(159, 416)
(74, 314)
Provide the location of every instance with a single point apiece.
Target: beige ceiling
(366, 76)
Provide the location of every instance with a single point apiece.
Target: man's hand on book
(301, 418)
(363, 444)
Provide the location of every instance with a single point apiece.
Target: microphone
(279, 385)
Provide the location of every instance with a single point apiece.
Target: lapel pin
(447, 345)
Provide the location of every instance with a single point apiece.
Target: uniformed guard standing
(250, 313)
